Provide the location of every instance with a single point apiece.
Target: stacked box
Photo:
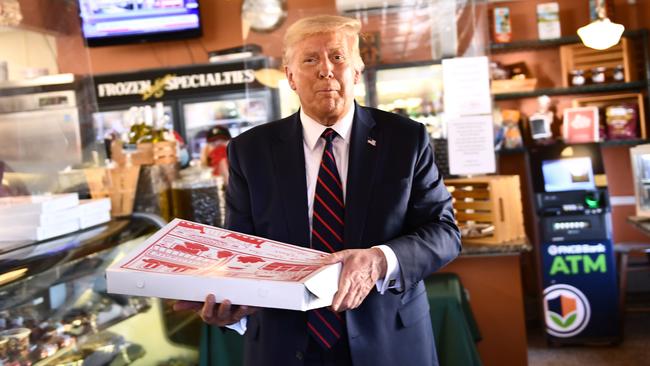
(492, 203)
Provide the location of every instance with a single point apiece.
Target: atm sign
(577, 259)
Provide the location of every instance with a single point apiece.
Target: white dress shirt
(314, 146)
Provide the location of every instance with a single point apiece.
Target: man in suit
(358, 182)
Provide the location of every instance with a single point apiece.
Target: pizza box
(38, 203)
(93, 206)
(40, 219)
(187, 261)
(38, 233)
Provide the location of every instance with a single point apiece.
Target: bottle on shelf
(133, 124)
(540, 122)
(146, 130)
(159, 123)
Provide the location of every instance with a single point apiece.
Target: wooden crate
(513, 85)
(602, 101)
(493, 200)
(146, 154)
(579, 57)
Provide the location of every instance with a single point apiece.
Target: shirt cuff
(393, 279)
(240, 326)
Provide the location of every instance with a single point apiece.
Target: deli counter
(54, 309)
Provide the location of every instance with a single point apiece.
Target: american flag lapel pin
(372, 141)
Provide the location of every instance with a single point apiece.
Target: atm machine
(580, 288)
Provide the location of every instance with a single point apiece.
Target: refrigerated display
(413, 91)
(111, 121)
(236, 112)
(54, 308)
(640, 156)
(198, 97)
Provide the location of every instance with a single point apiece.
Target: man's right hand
(216, 314)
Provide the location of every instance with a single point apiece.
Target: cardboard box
(38, 217)
(38, 233)
(37, 204)
(187, 261)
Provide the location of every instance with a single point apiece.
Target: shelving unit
(584, 89)
(549, 43)
(641, 85)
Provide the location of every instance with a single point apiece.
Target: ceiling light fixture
(602, 33)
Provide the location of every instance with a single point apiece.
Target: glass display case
(54, 309)
(641, 172)
(413, 91)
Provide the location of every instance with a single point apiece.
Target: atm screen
(571, 174)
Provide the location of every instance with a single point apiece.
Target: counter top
(641, 223)
(22, 259)
(507, 248)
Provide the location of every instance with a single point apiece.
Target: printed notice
(466, 82)
(471, 146)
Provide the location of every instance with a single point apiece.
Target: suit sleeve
(431, 238)
(238, 206)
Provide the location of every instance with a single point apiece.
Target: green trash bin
(220, 347)
(454, 326)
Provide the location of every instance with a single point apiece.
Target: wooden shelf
(631, 142)
(534, 44)
(585, 89)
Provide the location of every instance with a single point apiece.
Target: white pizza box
(94, 219)
(30, 232)
(187, 261)
(37, 203)
(37, 219)
(93, 206)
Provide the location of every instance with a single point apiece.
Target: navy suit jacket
(395, 196)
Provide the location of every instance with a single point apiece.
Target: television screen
(571, 174)
(110, 22)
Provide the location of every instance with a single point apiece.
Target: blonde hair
(320, 24)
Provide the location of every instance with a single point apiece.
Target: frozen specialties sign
(171, 82)
(188, 261)
(182, 81)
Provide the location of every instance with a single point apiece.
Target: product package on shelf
(38, 217)
(548, 20)
(502, 25)
(187, 261)
(581, 124)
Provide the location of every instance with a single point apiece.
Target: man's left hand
(361, 270)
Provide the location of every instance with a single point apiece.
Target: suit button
(299, 355)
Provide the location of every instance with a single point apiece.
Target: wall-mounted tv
(112, 22)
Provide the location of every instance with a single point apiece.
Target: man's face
(321, 71)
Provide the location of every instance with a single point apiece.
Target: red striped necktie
(326, 326)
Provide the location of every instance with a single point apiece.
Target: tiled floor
(635, 349)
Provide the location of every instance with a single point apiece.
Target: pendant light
(602, 33)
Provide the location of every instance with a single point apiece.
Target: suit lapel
(289, 161)
(364, 145)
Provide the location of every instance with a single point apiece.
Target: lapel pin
(372, 141)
